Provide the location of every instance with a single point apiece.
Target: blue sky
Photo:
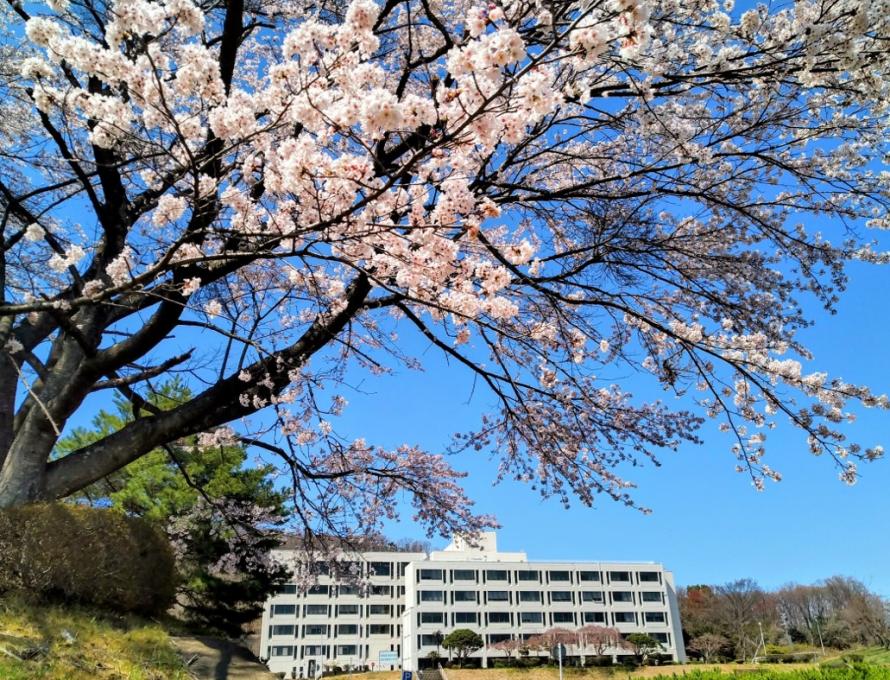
(708, 523)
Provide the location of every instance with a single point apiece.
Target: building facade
(407, 601)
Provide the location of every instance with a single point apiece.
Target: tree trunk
(22, 477)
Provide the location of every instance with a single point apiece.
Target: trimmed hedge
(86, 555)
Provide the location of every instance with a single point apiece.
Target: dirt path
(210, 658)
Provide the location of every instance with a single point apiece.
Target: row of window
(536, 575)
(336, 610)
(519, 618)
(313, 651)
(494, 638)
(341, 590)
(313, 630)
(537, 596)
(358, 569)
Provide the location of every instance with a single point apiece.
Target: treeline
(740, 620)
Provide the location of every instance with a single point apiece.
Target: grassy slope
(876, 655)
(82, 644)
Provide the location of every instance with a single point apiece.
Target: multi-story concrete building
(408, 601)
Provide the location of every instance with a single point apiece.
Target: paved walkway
(210, 658)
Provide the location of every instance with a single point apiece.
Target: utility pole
(760, 644)
(559, 648)
(819, 630)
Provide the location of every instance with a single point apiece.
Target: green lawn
(876, 655)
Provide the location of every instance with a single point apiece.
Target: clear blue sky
(709, 524)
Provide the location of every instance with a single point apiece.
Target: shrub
(86, 555)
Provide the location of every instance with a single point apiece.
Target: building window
(589, 575)
(594, 617)
(281, 630)
(498, 596)
(619, 576)
(348, 590)
(652, 596)
(313, 650)
(531, 617)
(663, 638)
(560, 576)
(287, 589)
(561, 596)
(496, 575)
(494, 638)
(321, 569)
(650, 577)
(622, 596)
(430, 574)
(654, 617)
(463, 575)
(315, 629)
(283, 609)
(378, 609)
(347, 629)
(431, 617)
(431, 596)
(379, 629)
(592, 596)
(347, 650)
(498, 617)
(318, 590)
(380, 569)
(529, 596)
(381, 590)
(315, 610)
(429, 640)
(465, 596)
(563, 617)
(283, 650)
(347, 609)
(466, 617)
(624, 617)
(528, 576)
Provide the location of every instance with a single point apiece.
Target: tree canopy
(267, 196)
(463, 642)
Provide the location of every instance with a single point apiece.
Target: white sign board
(389, 658)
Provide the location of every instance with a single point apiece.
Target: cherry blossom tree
(508, 647)
(599, 639)
(263, 195)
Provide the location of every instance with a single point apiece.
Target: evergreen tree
(220, 514)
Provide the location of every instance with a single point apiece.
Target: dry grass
(592, 673)
(40, 642)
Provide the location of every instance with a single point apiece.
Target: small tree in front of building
(642, 644)
(507, 646)
(462, 642)
(598, 639)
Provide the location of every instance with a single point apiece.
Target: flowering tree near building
(599, 639)
(263, 194)
(508, 647)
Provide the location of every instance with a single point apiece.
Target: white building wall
(495, 594)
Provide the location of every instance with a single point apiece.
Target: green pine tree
(220, 514)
